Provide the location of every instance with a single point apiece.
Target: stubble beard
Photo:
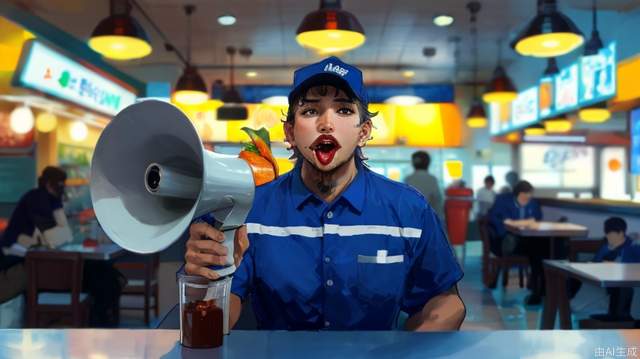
(325, 180)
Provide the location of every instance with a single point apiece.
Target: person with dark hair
(512, 178)
(39, 220)
(424, 182)
(518, 208)
(486, 196)
(37, 211)
(331, 244)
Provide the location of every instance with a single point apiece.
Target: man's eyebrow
(309, 100)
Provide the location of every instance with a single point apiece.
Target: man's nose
(325, 122)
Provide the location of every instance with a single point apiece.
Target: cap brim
(323, 79)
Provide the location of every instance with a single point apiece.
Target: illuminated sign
(524, 109)
(591, 79)
(635, 141)
(46, 70)
(566, 86)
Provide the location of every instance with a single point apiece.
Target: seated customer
(618, 248)
(518, 208)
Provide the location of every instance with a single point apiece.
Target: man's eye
(309, 112)
(346, 111)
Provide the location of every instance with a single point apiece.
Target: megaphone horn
(151, 176)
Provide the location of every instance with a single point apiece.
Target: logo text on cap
(336, 68)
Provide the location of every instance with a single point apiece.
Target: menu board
(566, 85)
(524, 109)
(545, 96)
(635, 141)
(597, 75)
(558, 166)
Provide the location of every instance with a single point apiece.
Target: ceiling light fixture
(476, 118)
(535, 130)
(276, 101)
(226, 20)
(596, 113)
(46, 122)
(252, 74)
(560, 124)
(330, 29)
(595, 42)
(21, 120)
(404, 100)
(408, 74)
(501, 87)
(190, 88)
(443, 20)
(120, 36)
(549, 34)
(78, 131)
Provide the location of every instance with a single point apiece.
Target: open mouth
(325, 148)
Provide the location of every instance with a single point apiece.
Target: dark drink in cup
(202, 324)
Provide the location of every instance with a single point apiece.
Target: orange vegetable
(260, 139)
(261, 168)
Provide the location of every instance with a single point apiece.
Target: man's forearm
(443, 312)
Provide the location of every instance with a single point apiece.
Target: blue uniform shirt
(627, 252)
(506, 206)
(351, 264)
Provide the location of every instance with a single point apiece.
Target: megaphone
(151, 176)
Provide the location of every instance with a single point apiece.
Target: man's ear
(365, 133)
(288, 133)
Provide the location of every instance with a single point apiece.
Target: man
(519, 209)
(39, 219)
(618, 248)
(425, 182)
(37, 211)
(333, 245)
(512, 178)
(486, 196)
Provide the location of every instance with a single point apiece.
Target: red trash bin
(457, 206)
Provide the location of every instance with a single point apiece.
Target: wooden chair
(492, 265)
(54, 289)
(142, 281)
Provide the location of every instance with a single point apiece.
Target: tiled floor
(500, 308)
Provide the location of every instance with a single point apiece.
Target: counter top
(594, 205)
(121, 343)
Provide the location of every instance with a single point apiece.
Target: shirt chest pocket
(381, 277)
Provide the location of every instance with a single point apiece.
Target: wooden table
(604, 275)
(552, 230)
(94, 343)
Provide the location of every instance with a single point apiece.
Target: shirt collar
(354, 194)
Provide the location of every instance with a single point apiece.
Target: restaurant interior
(505, 97)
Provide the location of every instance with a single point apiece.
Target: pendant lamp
(596, 113)
(190, 88)
(595, 42)
(552, 67)
(560, 124)
(233, 108)
(120, 36)
(330, 29)
(501, 87)
(549, 34)
(535, 130)
(476, 118)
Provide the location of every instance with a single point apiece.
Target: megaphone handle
(229, 267)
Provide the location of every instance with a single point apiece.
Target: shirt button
(326, 324)
(329, 214)
(327, 259)
(329, 283)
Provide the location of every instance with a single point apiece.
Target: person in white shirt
(486, 196)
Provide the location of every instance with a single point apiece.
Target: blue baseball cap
(330, 71)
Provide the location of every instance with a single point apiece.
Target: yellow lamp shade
(499, 96)
(21, 120)
(454, 168)
(120, 47)
(549, 45)
(190, 97)
(513, 137)
(331, 41)
(46, 122)
(558, 125)
(594, 115)
(535, 130)
(78, 131)
(477, 122)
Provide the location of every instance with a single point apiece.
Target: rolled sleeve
(434, 268)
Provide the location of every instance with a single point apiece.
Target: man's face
(615, 238)
(489, 185)
(524, 198)
(56, 188)
(327, 128)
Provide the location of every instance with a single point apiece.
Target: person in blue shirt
(518, 208)
(331, 244)
(618, 248)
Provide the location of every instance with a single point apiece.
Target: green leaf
(262, 134)
(250, 147)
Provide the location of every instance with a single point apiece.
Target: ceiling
(397, 31)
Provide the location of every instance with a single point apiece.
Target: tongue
(325, 157)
